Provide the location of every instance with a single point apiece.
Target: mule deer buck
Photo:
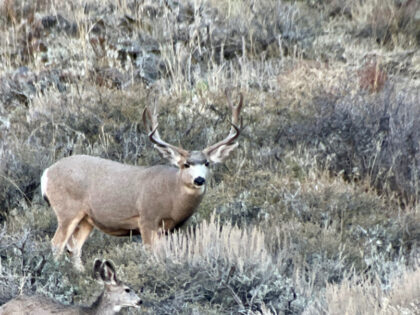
(119, 199)
(114, 296)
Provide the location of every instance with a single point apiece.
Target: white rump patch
(44, 181)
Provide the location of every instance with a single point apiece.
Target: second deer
(115, 296)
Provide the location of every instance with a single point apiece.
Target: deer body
(120, 199)
(39, 305)
(115, 296)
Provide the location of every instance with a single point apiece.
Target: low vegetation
(317, 212)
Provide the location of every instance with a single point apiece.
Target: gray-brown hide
(119, 199)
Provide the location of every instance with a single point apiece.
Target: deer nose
(140, 302)
(199, 181)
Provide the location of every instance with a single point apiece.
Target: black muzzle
(199, 181)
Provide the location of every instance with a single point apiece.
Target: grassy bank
(316, 212)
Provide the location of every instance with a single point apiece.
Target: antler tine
(235, 109)
(149, 119)
(239, 107)
(146, 114)
(234, 130)
(151, 124)
(154, 137)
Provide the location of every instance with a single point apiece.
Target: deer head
(194, 165)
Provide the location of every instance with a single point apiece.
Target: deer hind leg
(78, 238)
(64, 231)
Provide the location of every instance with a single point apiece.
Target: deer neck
(188, 199)
(102, 306)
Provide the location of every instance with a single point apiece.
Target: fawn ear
(97, 269)
(107, 272)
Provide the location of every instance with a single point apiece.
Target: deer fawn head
(194, 165)
(116, 293)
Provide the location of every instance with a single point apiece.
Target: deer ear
(108, 274)
(222, 153)
(173, 156)
(97, 269)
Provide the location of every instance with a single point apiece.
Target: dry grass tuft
(210, 240)
(372, 77)
(370, 297)
(388, 22)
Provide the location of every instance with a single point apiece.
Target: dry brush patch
(216, 267)
(390, 23)
(356, 296)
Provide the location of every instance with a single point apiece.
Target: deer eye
(127, 290)
(186, 165)
(207, 163)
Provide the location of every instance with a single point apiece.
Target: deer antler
(151, 124)
(234, 130)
